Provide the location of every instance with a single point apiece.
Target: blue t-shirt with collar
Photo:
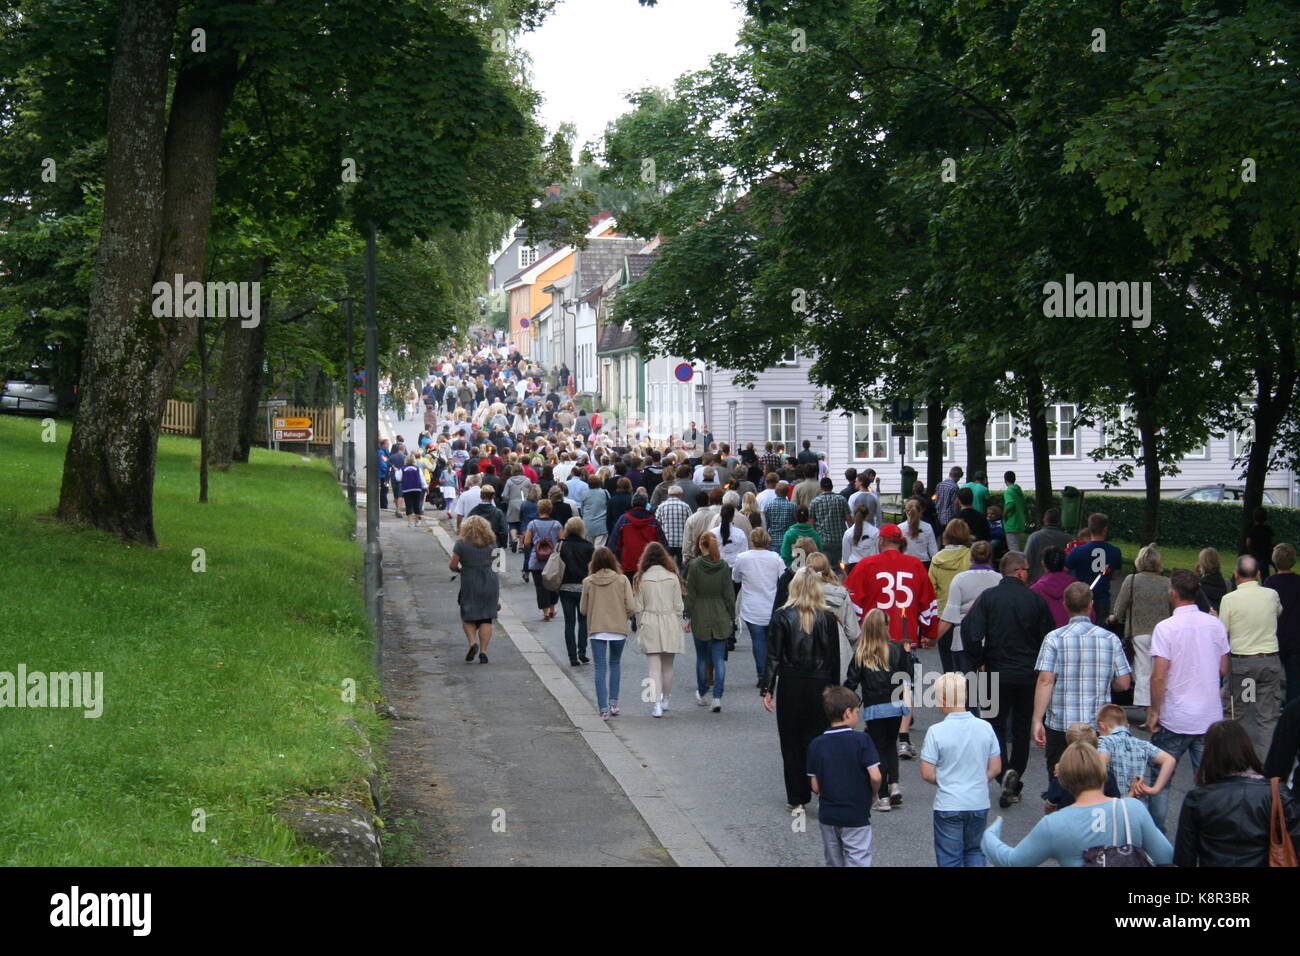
(840, 760)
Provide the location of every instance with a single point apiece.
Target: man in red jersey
(899, 585)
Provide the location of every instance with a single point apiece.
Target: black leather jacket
(1226, 823)
(793, 652)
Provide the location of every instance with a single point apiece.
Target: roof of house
(614, 338)
(638, 264)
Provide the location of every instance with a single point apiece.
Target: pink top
(1194, 643)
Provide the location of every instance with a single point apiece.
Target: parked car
(1223, 495)
(30, 391)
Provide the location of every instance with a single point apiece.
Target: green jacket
(710, 599)
(793, 534)
(1015, 512)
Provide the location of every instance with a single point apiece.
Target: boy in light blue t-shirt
(960, 755)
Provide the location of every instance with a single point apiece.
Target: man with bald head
(1250, 614)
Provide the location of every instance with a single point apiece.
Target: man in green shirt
(1015, 513)
(979, 487)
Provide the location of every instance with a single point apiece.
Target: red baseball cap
(891, 532)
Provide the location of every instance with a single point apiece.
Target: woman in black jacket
(803, 656)
(1225, 820)
(576, 553)
(879, 673)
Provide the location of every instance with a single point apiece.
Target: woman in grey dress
(480, 589)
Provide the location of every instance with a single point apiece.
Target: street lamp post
(349, 440)
(374, 555)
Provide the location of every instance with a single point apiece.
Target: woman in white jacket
(657, 600)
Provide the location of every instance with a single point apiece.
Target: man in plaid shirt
(778, 515)
(769, 460)
(830, 513)
(1078, 666)
(671, 515)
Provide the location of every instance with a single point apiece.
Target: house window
(870, 437)
(789, 358)
(1000, 441)
(527, 256)
(1060, 431)
(920, 441)
(783, 424)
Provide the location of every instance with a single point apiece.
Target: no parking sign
(684, 372)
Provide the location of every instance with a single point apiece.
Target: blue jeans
(758, 636)
(603, 654)
(706, 653)
(957, 835)
(1175, 745)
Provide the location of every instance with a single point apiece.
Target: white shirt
(851, 553)
(469, 499)
(923, 547)
(764, 496)
(758, 573)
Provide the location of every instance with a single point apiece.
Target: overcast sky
(589, 54)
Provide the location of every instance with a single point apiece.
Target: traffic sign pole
(374, 556)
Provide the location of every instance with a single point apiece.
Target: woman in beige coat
(1142, 603)
(657, 600)
(607, 602)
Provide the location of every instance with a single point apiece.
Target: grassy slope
(221, 689)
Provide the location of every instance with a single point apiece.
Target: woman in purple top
(1052, 586)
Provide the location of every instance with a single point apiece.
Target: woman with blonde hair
(749, 508)
(480, 588)
(658, 601)
(606, 603)
(1213, 585)
(878, 671)
(1142, 603)
(836, 596)
(803, 659)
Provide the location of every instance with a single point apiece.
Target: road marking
(669, 823)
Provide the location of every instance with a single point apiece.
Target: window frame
(991, 441)
(791, 444)
(1053, 430)
(874, 420)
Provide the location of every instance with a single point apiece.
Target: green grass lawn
(222, 689)
(1177, 558)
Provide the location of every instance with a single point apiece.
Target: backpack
(1116, 853)
(543, 550)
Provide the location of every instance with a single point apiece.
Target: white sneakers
(701, 700)
(663, 702)
(717, 705)
(658, 709)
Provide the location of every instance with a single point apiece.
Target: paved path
(708, 785)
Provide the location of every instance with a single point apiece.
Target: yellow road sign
(292, 423)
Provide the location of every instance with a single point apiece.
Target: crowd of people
(688, 541)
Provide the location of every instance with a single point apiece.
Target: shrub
(1187, 524)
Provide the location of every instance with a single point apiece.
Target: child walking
(960, 756)
(845, 772)
(880, 668)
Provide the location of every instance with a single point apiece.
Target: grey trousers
(847, 846)
(1256, 686)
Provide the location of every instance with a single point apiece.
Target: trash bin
(1071, 508)
(909, 479)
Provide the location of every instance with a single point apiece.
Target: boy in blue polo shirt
(960, 755)
(845, 771)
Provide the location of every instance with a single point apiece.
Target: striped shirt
(1129, 756)
(1085, 659)
(777, 518)
(829, 512)
(671, 515)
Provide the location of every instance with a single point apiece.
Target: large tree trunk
(977, 429)
(935, 440)
(1037, 405)
(1275, 378)
(109, 467)
(1148, 429)
(133, 356)
(237, 377)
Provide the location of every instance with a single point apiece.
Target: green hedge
(1188, 524)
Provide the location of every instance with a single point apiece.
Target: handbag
(553, 570)
(1116, 853)
(1281, 852)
